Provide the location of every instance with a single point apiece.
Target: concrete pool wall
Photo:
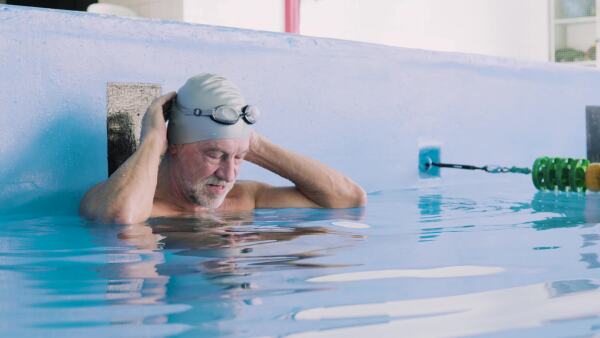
(361, 108)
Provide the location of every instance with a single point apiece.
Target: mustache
(216, 181)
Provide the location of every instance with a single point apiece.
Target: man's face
(207, 170)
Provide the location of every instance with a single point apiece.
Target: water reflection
(591, 259)
(243, 274)
(218, 264)
(570, 210)
(467, 314)
(440, 213)
(240, 243)
(68, 277)
(52, 274)
(590, 240)
(430, 207)
(443, 272)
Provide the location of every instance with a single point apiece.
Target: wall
(266, 15)
(361, 108)
(158, 9)
(508, 28)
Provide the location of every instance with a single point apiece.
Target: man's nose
(227, 170)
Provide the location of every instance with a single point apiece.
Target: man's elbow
(361, 197)
(122, 217)
(126, 214)
(358, 197)
(96, 206)
(112, 215)
(354, 198)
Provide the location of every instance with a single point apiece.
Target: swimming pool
(431, 261)
(486, 255)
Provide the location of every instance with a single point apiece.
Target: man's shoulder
(246, 188)
(242, 196)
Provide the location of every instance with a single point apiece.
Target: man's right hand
(154, 121)
(128, 195)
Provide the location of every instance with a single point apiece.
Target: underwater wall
(361, 108)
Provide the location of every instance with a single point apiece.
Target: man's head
(208, 136)
(205, 171)
(201, 110)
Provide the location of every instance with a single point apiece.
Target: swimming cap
(205, 91)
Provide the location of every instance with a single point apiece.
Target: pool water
(493, 260)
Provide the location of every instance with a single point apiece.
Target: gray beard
(204, 201)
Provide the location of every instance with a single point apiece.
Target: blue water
(468, 260)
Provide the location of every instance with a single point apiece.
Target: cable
(492, 169)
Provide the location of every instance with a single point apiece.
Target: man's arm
(316, 185)
(128, 195)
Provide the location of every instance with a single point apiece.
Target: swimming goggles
(225, 114)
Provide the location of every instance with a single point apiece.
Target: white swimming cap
(205, 91)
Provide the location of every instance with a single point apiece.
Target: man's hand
(316, 185)
(154, 121)
(255, 140)
(128, 195)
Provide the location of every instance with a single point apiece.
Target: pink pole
(292, 16)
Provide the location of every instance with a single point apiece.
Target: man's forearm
(320, 183)
(127, 196)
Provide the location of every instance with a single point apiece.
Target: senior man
(191, 166)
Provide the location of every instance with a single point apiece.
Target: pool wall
(361, 108)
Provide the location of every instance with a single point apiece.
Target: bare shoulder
(244, 187)
(264, 195)
(243, 195)
(162, 208)
(248, 195)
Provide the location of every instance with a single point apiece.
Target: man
(192, 166)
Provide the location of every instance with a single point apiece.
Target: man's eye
(214, 155)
